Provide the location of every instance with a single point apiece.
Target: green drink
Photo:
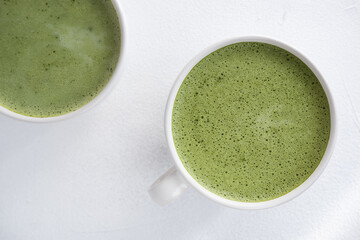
(250, 122)
(56, 56)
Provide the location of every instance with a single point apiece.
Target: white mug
(109, 86)
(177, 179)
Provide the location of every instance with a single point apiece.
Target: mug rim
(103, 93)
(250, 205)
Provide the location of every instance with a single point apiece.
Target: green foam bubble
(56, 56)
(250, 122)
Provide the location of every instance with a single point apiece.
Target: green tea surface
(250, 122)
(56, 56)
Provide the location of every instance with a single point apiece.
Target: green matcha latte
(250, 122)
(56, 56)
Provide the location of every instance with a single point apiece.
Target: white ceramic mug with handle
(177, 179)
(109, 86)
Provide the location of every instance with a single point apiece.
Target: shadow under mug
(109, 86)
(177, 179)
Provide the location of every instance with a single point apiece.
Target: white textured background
(86, 178)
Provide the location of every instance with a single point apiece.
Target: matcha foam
(56, 56)
(250, 122)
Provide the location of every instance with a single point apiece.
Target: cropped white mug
(176, 180)
(109, 86)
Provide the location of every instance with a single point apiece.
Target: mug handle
(168, 187)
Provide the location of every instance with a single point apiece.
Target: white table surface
(86, 178)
